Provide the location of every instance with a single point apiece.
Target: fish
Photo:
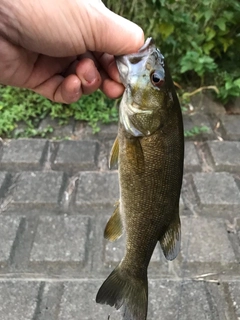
(149, 151)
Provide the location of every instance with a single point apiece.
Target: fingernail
(90, 76)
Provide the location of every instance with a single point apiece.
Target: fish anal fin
(121, 289)
(114, 227)
(113, 158)
(171, 240)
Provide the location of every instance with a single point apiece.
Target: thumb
(112, 33)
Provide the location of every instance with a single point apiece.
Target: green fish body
(149, 150)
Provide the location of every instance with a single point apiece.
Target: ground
(56, 197)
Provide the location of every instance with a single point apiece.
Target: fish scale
(149, 150)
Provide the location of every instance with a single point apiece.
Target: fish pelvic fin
(114, 227)
(171, 240)
(113, 158)
(121, 289)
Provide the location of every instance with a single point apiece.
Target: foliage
(228, 86)
(200, 39)
(195, 131)
(28, 108)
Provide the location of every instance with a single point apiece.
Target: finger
(108, 63)
(111, 33)
(59, 89)
(71, 69)
(89, 75)
(67, 90)
(109, 87)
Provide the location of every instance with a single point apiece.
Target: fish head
(147, 97)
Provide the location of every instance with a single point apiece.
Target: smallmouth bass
(149, 150)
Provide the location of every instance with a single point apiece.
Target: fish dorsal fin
(114, 227)
(113, 159)
(171, 240)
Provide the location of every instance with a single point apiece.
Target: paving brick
(61, 239)
(114, 252)
(164, 299)
(225, 155)
(234, 289)
(59, 131)
(191, 159)
(50, 300)
(85, 132)
(204, 104)
(2, 177)
(2, 183)
(231, 126)
(18, 300)
(104, 153)
(218, 298)
(205, 240)
(76, 156)
(175, 300)
(198, 121)
(78, 302)
(237, 228)
(97, 189)
(218, 193)
(194, 303)
(37, 189)
(168, 300)
(181, 205)
(8, 230)
(23, 154)
(108, 131)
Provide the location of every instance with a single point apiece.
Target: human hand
(62, 49)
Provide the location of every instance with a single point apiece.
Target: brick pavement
(55, 199)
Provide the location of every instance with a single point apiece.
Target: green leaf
(221, 23)
(237, 83)
(166, 29)
(226, 43)
(210, 34)
(208, 14)
(207, 47)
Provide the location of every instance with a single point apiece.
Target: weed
(200, 39)
(21, 106)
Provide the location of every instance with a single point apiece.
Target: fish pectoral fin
(135, 155)
(113, 158)
(171, 240)
(114, 227)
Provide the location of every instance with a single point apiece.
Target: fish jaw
(126, 111)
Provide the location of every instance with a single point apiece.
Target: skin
(150, 177)
(62, 49)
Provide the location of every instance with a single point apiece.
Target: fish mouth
(133, 62)
(148, 43)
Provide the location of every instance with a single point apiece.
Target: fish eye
(156, 79)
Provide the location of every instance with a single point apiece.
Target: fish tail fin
(121, 289)
(171, 240)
